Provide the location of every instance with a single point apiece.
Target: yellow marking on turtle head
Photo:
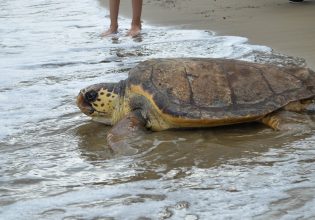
(105, 102)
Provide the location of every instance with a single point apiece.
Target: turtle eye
(91, 96)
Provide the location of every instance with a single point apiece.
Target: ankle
(113, 27)
(136, 24)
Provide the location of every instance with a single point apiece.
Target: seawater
(55, 164)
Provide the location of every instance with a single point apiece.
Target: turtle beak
(83, 104)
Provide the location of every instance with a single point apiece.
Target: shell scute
(219, 89)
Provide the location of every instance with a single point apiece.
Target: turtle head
(99, 101)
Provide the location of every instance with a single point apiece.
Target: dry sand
(286, 27)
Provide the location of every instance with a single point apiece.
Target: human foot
(111, 30)
(134, 30)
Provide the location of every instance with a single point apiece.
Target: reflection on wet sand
(92, 141)
(160, 152)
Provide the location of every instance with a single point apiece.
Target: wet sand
(286, 27)
(55, 162)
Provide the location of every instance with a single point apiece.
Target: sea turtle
(162, 94)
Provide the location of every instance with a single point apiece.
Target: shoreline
(287, 28)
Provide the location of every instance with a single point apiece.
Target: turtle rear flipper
(128, 128)
(273, 121)
(288, 121)
(307, 105)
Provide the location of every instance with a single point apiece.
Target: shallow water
(54, 162)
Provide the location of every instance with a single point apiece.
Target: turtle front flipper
(119, 138)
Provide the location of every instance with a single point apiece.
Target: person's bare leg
(113, 11)
(136, 18)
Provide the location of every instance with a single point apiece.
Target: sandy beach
(286, 27)
(56, 163)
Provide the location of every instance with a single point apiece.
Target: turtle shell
(212, 89)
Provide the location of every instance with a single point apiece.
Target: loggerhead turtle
(163, 94)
